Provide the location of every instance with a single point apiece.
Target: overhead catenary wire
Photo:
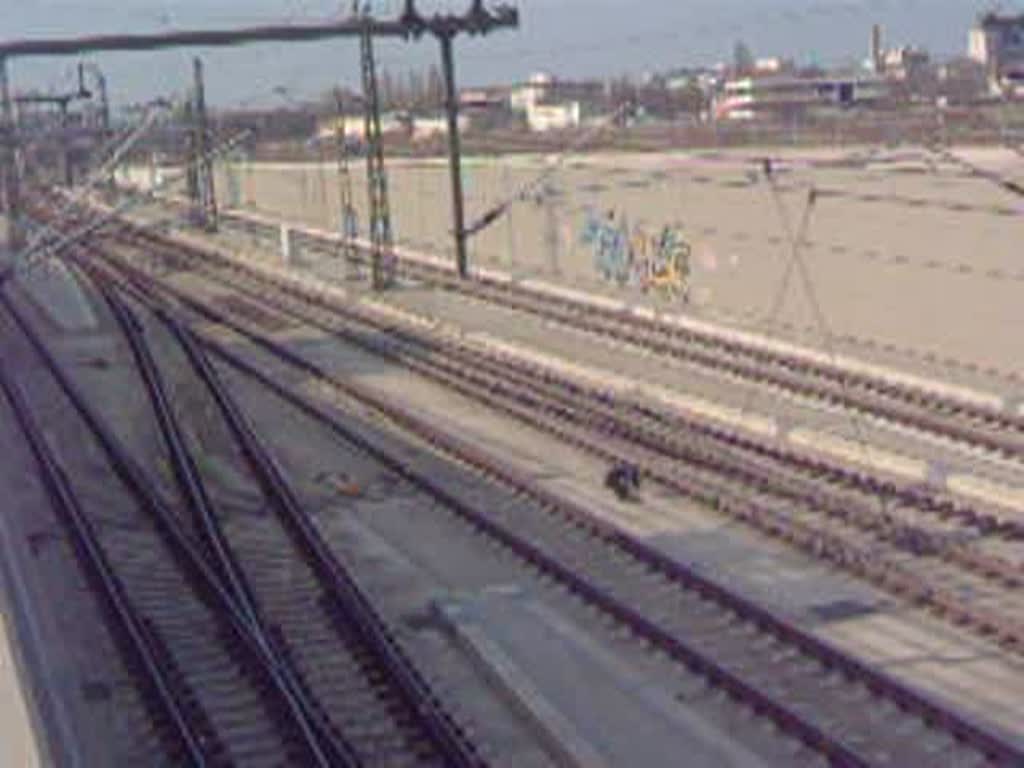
(530, 188)
(47, 249)
(797, 264)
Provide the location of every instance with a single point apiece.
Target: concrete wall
(900, 253)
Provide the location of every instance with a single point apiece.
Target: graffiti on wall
(635, 257)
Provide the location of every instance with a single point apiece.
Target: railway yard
(260, 514)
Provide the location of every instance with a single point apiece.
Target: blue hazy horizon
(575, 38)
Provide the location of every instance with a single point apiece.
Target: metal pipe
(478, 21)
(201, 38)
(207, 193)
(454, 154)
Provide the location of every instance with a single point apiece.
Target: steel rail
(324, 748)
(837, 753)
(677, 572)
(351, 602)
(206, 580)
(963, 728)
(986, 522)
(673, 647)
(136, 638)
(526, 408)
(901, 536)
(899, 403)
(893, 402)
(921, 705)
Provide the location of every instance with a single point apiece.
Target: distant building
(354, 126)
(705, 80)
(962, 81)
(543, 88)
(536, 89)
(910, 66)
(997, 42)
(773, 65)
(554, 117)
(549, 104)
(786, 97)
(484, 98)
(425, 127)
(906, 63)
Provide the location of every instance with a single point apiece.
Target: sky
(573, 38)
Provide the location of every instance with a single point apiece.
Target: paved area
(19, 740)
(597, 710)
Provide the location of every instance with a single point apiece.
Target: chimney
(877, 61)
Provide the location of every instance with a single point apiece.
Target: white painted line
(418, 257)
(578, 297)
(645, 313)
(493, 275)
(986, 490)
(733, 417)
(395, 313)
(593, 376)
(864, 455)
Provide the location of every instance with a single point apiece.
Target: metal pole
(346, 209)
(207, 191)
(67, 171)
(101, 81)
(191, 164)
(9, 136)
(376, 174)
(454, 154)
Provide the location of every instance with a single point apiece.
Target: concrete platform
(20, 739)
(592, 709)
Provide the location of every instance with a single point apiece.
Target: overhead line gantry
(410, 25)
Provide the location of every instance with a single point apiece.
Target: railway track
(207, 685)
(329, 678)
(785, 675)
(309, 617)
(917, 546)
(810, 377)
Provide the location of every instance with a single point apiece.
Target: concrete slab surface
(18, 739)
(595, 710)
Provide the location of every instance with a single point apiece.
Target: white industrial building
(997, 42)
(787, 96)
